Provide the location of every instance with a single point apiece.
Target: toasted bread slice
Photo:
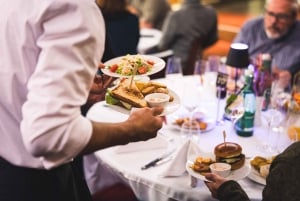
(131, 95)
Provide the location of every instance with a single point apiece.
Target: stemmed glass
(173, 69)
(199, 70)
(234, 108)
(273, 115)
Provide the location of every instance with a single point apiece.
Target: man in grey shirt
(152, 13)
(277, 33)
(193, 20)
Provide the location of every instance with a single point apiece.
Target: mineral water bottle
(245, 125)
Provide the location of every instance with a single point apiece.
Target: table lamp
(238, 58)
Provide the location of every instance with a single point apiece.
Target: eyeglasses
(278, 16)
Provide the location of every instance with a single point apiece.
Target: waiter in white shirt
(49, 55)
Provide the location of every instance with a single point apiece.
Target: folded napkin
(188, 151)
(158, 142)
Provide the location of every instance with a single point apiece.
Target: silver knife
(157, 160)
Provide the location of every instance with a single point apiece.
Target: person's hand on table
(215, 181)
(146, 122)
(283, 76)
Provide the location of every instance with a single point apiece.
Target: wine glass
(199, 70)
(174, 73)
(272, 116)
(190, 130)
(234, 108)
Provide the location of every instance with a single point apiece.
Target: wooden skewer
(132, 76)
(224, 137)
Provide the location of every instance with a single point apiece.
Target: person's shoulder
(254, 23)
(297, 25)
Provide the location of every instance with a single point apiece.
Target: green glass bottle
(245, 125)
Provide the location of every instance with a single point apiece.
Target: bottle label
(245, 124)
(250, 103)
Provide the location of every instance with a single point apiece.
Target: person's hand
(215, 181)
(283, 76)
(98, 89)
(145, 122)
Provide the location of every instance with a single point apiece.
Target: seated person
(276, 33)
(192, 21)
(151, 13)
(122, 27)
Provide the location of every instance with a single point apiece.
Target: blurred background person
(277, 33)
(151, 13)
(182, 27)
(122, 27)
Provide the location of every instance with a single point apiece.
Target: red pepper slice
(142, 70)
(113, 68)
(150, 62)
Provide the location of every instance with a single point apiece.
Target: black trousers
(63, 183)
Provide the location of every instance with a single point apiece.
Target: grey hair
(294, 5)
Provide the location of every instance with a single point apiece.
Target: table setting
(160, 168)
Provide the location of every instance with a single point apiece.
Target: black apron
(64, 183)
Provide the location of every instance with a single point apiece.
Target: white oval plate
(211, 124)
(234, 175)
(159, 64)
(168, 109)
(254, 176)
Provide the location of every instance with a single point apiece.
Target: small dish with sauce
(221, 169)
(157, 99)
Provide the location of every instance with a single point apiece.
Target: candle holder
(238, 58)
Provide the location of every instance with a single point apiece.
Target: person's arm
(140, 126)
(225, 190)
(283, 180)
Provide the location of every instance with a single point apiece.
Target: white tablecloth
(149, 38)
(148, 185)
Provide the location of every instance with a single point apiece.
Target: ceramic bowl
(222, 169)
(157, 99)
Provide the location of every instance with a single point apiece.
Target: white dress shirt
(49, 52)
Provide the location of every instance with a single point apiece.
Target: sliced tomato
(142, 70)
(113, 68)
(150, 62)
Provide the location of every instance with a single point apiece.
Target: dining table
(126, 161)
(149, 38)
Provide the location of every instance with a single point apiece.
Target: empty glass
(190, 130)
(199, 70)
(173, 74)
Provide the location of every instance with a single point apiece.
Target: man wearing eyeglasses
(277, 33)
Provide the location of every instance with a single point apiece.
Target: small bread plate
(200, 117)
(168, 109)
(234, 175)
(158, 64)
(254, 176)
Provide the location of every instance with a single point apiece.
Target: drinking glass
(272, 117)
(190, 130)
(236, 109)
(173, 72)
(199, 70)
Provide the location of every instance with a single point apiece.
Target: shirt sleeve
(283, 180)
(71, 45)
(232, 191)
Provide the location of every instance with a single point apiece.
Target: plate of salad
(126, 66)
